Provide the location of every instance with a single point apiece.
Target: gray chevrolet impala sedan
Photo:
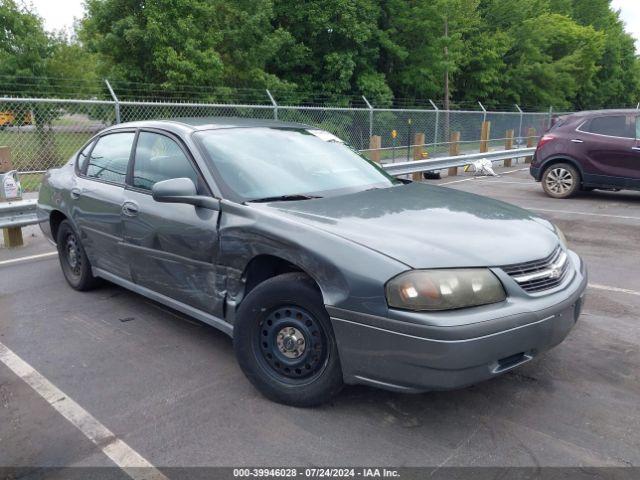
(322, 268)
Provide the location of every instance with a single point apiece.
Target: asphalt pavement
(169, 388)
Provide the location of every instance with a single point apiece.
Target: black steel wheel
(285, 344)
(72, 255)
(73, 260)
(292, 343)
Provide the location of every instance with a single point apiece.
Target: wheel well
(55, 219)
(555, 161)
(264, 267)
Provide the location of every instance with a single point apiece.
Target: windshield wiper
(284, 198)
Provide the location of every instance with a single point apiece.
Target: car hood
(425, 226)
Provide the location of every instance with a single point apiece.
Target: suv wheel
(561, 180)
(284, 342)
(73, 260)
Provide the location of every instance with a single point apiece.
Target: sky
(630, 12)
(60, 14)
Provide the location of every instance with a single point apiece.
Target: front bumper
(382, 352)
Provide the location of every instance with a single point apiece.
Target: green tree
(552, 61)
(72, 69)
(427, 45)
(617, 82)
(207, 43)
(336, 47)
(24, 45)
(24, 51)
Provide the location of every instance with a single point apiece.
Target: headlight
(444, 289)
(563, 239)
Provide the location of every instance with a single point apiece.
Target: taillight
(544, 140)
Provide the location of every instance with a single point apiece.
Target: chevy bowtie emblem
(555, 273)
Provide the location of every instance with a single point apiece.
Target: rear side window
(160, 158)
(110, 157)
(613, 126)
(558, 122)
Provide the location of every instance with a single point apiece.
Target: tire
(284, 342)
(73, 259)
(561, 180)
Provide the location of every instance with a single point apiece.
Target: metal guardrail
(19, 213)
(428, 165)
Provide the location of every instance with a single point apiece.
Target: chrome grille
(540, 275)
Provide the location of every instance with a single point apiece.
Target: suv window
(613, 126)
(160, 158)
(110, 157)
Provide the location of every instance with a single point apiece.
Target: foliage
(202, 43)
(565, 53)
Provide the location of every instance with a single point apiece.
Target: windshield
(267, 163)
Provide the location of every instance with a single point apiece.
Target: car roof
(592, 113)
(209, 123)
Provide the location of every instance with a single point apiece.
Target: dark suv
(588, 150)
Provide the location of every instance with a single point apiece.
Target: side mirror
(182, 190)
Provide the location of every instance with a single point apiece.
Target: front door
(96, 202)
(172, 247)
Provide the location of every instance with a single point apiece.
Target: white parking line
(625, 217)
(130, 461)
(606, 288)
(29, 258)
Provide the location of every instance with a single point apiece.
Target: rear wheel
(73, 260)
(284, 342)
(561, 180)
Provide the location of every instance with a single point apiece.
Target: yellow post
(12, 237)
(508, 145)
(531, 138)
(484, 137)
(375, 142)
(418, 142)
(454, 149)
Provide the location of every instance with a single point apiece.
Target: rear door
(96, 201)
(610, 149)
(172, 247)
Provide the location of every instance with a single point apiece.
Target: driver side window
(160, 158)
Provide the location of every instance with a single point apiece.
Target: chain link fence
(44, 133)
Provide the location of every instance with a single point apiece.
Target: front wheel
(561, 180)
(73, 260)
(284, 342)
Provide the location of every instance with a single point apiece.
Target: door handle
(577, 140)
(130, 209)
(75, 193)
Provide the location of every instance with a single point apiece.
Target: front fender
(349, 275)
